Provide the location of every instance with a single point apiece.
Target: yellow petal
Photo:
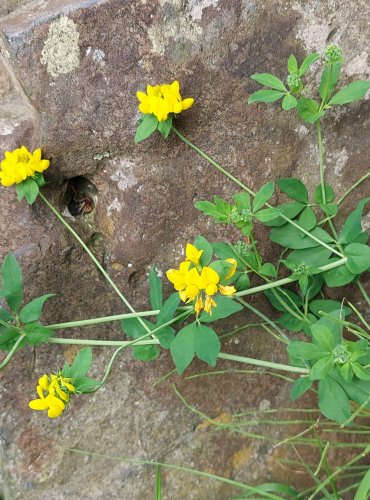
(38, 404)
(186, 103)
(209, 303)
(211, 289)
(183, 296)
(192, 253)
(198, 305)
(177, 108)
(175, 87)
(69, 386)
(232, 269)
(191, 292)
(208, 277)
(55, 411)
(44, 382)
(226, 290)
(193, 278)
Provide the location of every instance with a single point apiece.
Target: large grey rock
(74, 69)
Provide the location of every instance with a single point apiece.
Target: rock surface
(69, 73)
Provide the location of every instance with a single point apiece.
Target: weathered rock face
(73, 68)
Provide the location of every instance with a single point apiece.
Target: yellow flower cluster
(162, 100)
(58, 389)
(197, 283)
(20, 164)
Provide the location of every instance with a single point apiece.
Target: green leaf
(165, 127)
(352, 227)
(12, 285)
(8, 338)
(210, 209)
(207, 344)
(183, 347)
(155, 286)
(331, 209)
(226, 306)
(327, 306)
(339, 276)
(300, 386)
(294, 188)
(268, 269)
(322, 368)
(5, 315)
(39, 179)
(168, 309)
(165, 336)
(363, 491)
(202, 244)
(145, 352)
(314, 257)
(290, 322)
(267, 214)
(308, 110)
(263, 195)
(329, 194)
(307, 219)
(32, 311)
(289, 236)
(358, 256)
(276, 297)
(147, 125)
(323, 337)
(84, 384)
(292, 64)
(333, 401)
(82, 362)
(329, 79)
(265, 96)
(305, 350)
(307, 62)
(37, 334)
(353, 92)
(269, 81)
(242, 201)
(290, 210)
(226, 251)
(243, 282)
(331, 322)
(360, 371)
(289, 102)
(28, 189)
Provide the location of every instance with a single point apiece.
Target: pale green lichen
(61, 53)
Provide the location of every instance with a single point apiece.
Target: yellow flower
(232, 269)
(177, 277)
(163, 100)
(193, 254)
(56, 398)
(20, 164)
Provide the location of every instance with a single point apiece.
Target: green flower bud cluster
(333, 54)
(341, 354)
(242, 216)
(242, 248)
(294, 83)
(302, 270)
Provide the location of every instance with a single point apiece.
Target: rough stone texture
(85, 121)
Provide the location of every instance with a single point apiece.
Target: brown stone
(73, 70)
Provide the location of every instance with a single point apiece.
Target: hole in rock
(81, 196)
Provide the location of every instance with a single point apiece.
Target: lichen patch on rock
(61, 53)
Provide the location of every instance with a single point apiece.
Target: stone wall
(69, 71)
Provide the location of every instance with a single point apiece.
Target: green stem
(354, 186)
(92, 257)
(265, 364)
(99, 343)
(285, 281)
(11, 352)
(363, 291)
(105, 319)
(273, 325)
(321, 161)
(248, 190)
(337, 471)
(178, 468)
